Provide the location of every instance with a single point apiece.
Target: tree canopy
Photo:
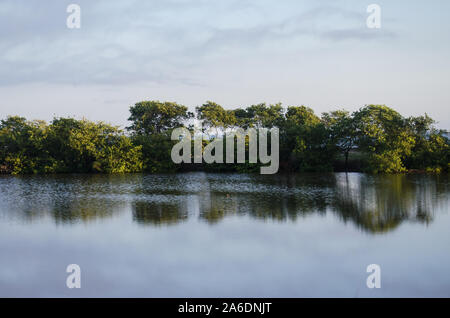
(149, 117)
(375, 139)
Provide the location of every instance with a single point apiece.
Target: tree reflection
(214, 206)
(67, 199)
(87, 210)
(375, 204)
(155, 213)
(378, 204)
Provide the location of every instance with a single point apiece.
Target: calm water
(225, 235)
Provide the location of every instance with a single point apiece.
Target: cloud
(156, 41)
(356, 34)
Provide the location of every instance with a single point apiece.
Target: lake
(225, 235)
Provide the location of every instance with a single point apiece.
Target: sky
(235, 52)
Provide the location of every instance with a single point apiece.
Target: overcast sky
(235, 52)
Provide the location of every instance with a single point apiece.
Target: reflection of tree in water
(276, 197)
(379, 204)
(290, 207)
(67, 199)
(158, 213)
(262, 206)
(375, 204)
(70, 211)
(215, 206)
(294, 196)
(85, 210)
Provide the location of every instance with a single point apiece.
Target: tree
(21, 145)
(343, 131)
(156, 150)
(260, 116)
(304, 141)
(431, 147)
(384, 136)
(386, 141)
(215, 117)
(150, 117)
(152, 123)
(85, 146)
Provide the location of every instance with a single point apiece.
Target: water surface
(225, 235)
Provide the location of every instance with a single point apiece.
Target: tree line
(373, 139)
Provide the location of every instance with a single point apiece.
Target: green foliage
(431, 149)
(120, 156)
(84, 146)
(378, 137)
(156, 150)
(152, 124)
(22, 145)
(383, 134)
(342, 130)
(149, 117)
(215, 116)
(260, 116)
(66, 145)
(304, 141)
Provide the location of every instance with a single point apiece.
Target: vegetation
(66, 145)
(374, 139)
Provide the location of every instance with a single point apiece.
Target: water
(225, 235)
